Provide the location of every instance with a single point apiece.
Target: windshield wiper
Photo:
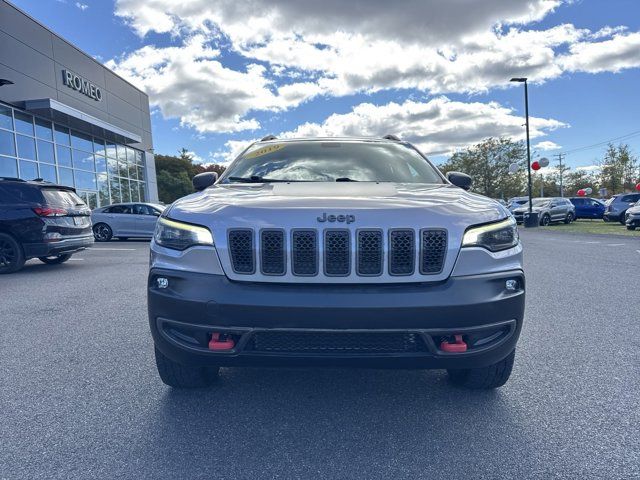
(257, 179)
(346, 179)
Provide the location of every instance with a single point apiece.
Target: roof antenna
(268, 137)
(395, 138)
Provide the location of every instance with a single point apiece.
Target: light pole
(532, 219)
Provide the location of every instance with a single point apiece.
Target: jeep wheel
(56, 259)
(493, 376)
(11, 254)
(545, 220)
(569, 218)
(181, 376)
(102, 232)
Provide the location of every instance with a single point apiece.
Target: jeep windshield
(331, 161)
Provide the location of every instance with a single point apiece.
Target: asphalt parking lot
(80, 397)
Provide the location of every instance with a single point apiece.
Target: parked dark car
(588, 207)
(40, 220)
(617, 206)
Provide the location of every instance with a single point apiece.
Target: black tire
(56, 259)
(11, 254)
(630, 227)
(623, 218)
(123, 239)
(181, 376)
(102, 232)
(569, 218)
(606, 219)
(493, 376)
(545, 221)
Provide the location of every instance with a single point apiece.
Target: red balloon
(535, 165)
(581, 193)
(638, 187)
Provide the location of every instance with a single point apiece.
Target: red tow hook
(458, 347)
(217, 344)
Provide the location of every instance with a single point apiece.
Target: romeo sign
(83, 86)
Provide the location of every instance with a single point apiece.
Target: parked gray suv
(332, 251)
(550, 210)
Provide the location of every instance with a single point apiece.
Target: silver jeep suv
(335, 251)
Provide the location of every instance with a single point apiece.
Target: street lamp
(532, 219)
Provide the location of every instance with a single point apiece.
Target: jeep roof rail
(12, 179)
(395, 138)
(268, 137)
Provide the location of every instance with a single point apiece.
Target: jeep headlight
(494, 236)
(180, 236)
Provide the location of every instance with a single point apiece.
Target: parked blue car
(588, 207)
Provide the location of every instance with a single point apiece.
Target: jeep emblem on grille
(337, 218)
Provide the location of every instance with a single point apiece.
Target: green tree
(174, 174)
(488, 163)
(619, 169)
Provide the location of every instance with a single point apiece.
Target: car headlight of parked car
(495, 237)
(180, 236)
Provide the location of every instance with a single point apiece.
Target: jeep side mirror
(204, 180)
(460, 179)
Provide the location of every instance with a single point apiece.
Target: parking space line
(615, 244)
(76, 259)
(114, 249)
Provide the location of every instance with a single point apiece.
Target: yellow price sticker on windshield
(265, 150)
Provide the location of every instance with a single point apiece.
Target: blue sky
(220, 74)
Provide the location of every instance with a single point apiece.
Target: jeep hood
(261, 204)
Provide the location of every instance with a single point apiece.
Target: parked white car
(125, 220)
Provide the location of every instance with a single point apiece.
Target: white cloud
(438, 126)
(298, 50)
(546, 145)
(190, 83)
(589, 168)
(82, 6)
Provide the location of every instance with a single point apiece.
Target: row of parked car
(623, 208)
(51, 222)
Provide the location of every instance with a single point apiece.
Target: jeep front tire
(493, 376)
(182, 376)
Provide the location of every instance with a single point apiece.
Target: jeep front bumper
(389, 325)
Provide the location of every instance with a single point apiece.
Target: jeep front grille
(241, 250)
(338, 252)
(304, 252)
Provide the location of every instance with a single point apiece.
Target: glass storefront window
(62, 135)
(48, 173)
(121, 150)
(103, 171)
(124, 187)
(81, 141)
(114, 188)
(8, 167)
(83, 160)
(45, 152)
(111, 149)
(103, 189)
(64, 156)
(141, 191)
(6, 119)
(24, 123)
(85, 180)
(66, 176)
(99, 147)
(43, 129)
(28, 170)
(101, 163)
(7, 145)
(26, 147)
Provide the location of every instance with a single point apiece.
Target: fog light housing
(162, 282)
(511, 285)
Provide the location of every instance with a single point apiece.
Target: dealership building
(67, 119)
